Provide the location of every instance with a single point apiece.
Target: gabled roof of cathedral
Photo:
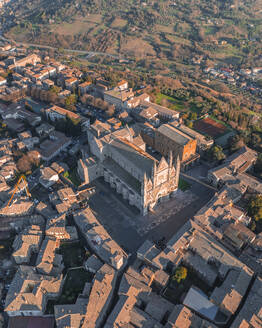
(136, 155)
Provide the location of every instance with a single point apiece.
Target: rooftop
(29, 239)
(139, 158)
(162, 111)
(251, 314)
(198, 301)
(100, 296)
(174, 134)
(48, 261)
(183, 317)
(194, 134)
(47, 173)
(29, 291)
(238, 162)
(229, 295)
(63, 112)
(121, 95)
(99, 239)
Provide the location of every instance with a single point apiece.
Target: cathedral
(123, 162)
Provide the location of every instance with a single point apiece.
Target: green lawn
(211, 29)
(74, 254)
(184, 185)
(72, 175)
(175, 104)
(175, 290)
(6, 247)
(73, 286)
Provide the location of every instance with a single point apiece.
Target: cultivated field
(210, 127)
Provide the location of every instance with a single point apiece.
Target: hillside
(228, 31)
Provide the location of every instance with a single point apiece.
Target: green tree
(255, 207)
(189, 124)
(258, 165)
(70, 102)
(235, 142)
(55, 89)
(216, 153)
(180, 274)
(255, 140)
(193, 116)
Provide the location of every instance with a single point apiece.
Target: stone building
(168, 138)
(121, 159)
(30, 292)
(203, 142)
(235, 164)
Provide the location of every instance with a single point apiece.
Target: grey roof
(201, 266)
(157, 306)
(148, 250)
(69, 315)
(233, 288)
(160, 109)
(251, 310)
(45, 126)
(139, 158)
(128, 281)
(139, 318)
(250, 181)
(189, 225)
(174, 134)
(94, 263)
(198, 301)
(201, 139)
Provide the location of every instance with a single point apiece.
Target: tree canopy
(255, 207)
(180, 274)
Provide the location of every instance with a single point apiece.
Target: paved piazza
(130, 229)
(163, 212)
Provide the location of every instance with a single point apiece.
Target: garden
(72, 175)
(180, 283)
(73, 286)
(183, 185)
(74, 254)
